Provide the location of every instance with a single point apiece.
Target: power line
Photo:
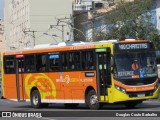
(55, 26)
(50, 15)
(29, 31)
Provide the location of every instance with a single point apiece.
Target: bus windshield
(129, 64)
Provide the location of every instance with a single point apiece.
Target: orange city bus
(79, 72)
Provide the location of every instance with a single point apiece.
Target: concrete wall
(44, 13)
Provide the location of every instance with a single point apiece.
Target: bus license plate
(141, 95)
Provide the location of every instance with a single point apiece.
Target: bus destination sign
(133, 46)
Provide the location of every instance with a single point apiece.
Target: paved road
(116, 111)
(8, 105)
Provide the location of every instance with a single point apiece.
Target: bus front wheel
(36, 99)
(92, 100)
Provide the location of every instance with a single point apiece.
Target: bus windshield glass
(135, 64)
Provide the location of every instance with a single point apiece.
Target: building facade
(92, 21)
(85, 5)
(2, 40)
(2, 36)
(32, 22)
(85, 21)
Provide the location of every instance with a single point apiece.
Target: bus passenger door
(20, 77)
(103, 71)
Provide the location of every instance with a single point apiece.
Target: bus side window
(54, 62)
(29, 63)
(41, 63)
(9, 65)
(64, 61)
(71, 60)
(77, 60)
(88, 60)
(74, 60)
(21, 65)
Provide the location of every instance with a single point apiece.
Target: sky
(1, 8)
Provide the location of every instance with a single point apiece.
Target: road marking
(6, 101)
(47, 118)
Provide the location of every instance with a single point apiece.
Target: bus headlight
(117, 87)
(120, 89)
(123, 90)
(156, 87)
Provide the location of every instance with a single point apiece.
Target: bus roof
(132, 40)
(62, 46)
(69, 45)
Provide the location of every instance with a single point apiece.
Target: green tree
(131, 19)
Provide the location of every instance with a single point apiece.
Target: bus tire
(92, 100)
(36, 99)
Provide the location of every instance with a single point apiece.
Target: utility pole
(63, 32)
(55, 26)
(34, 38)
(63, 20)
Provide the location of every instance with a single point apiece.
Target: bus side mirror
(112, 63)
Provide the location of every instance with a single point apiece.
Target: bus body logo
(44, 84)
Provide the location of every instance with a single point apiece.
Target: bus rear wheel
(36, 99)
(92, 100)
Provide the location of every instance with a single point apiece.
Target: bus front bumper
(118, 96)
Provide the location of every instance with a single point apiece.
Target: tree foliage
(131, 20)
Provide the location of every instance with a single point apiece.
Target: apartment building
(2, 36)
(32, 22)
(85, 5)
(2, 39)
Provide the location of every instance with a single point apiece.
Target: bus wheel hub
(93, 99)
(35, 100)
